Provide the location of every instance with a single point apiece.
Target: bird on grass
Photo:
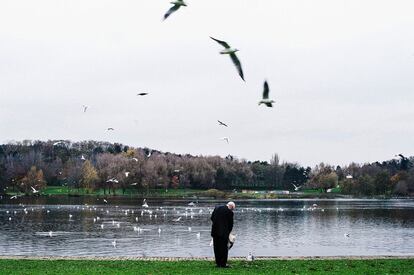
(265, 100)
(232, 52)
(176, 5)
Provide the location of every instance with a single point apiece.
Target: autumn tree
(33, 179)
(89, 176)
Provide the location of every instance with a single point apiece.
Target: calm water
(267, 228)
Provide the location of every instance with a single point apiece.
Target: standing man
(222, 219)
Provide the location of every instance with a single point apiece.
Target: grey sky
(341, 73)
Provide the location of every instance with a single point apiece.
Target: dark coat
(222, 219)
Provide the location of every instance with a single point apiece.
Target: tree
(33, 179)
(89, 176)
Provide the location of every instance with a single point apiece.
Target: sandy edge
(204, 258)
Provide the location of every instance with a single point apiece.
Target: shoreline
(160, 258)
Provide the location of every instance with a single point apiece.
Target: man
(222, 219)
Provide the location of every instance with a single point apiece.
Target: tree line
(114, 166)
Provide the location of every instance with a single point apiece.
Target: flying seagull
(222, 123)
(232, 53)
(145, 204)
(142, 94)
(226, 139)
(134, 183)
(127, 174)
(135, 159)
(265, 100)
(34, 190)
(85, 107)
(177, 4)
(83, 157)
(177, 219)
(296, 187)
(59, 142)
(110, 129)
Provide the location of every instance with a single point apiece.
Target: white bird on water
(177, 4)
(265, 98)
(114, 243)
(198, 235)
(232, 52)
(50, 234)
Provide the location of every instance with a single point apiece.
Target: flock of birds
(228, 50)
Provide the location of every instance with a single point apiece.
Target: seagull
(346, 235)
(222, 123)
(191, 204)
(110, 129)
(135, 159)
(177, 4)
(297, 187)
(13, 197)
(141, 94)
(127, 174)
(34, 190)
(50, 233)
(232, 53)
(83, 158)
(177, 219)
(134, 183)
(114, 243)
(58, 142)
(149, 153)
(265, 100)
(105, 201)
(85, 107)
(198, 235)
(159, 230)
(145, 204)
(226, 139)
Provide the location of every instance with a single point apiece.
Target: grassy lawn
(388, 266)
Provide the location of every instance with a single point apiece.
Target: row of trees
(92, 164)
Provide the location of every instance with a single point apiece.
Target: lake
(122, 227)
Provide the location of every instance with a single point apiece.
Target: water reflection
(88, 227)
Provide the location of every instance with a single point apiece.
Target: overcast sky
(341, 72)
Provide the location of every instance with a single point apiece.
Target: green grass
(388, 266)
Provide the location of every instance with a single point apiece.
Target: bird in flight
(232, 53)
(145, 204)
(134, 184)
(135, 159)
(83, 157)
(127, 174)
(85, 107)
(34, 190)
(59, 142)
(177, 4)
(222, 123)
(177, 219)
(226, 139)
(141, 94)
(265, 100)
(110, 129)
(296, 187)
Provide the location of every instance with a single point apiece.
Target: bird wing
(222, 123)
(265, 90)
(33, 188)
(171, 10)
(237, 63)
(268, 104)
(223, 43)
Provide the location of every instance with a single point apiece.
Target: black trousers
(220, 250)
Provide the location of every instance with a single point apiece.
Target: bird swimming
(177, 4)
(265, 99)
(232, 52)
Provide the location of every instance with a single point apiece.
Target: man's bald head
(231, 205)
